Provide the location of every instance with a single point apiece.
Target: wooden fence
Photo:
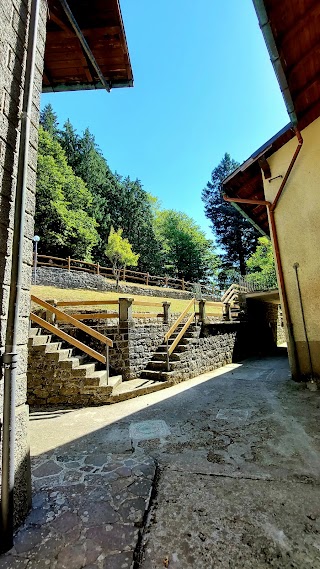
(126, 275)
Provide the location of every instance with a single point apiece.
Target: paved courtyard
(222, 471)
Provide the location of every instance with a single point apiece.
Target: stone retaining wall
(136, 342)
(62, 278)
(216, 345)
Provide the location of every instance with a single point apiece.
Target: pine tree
(49, 120)
(232, 231)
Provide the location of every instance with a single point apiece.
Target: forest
(80, 201)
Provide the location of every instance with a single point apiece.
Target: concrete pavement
(221, 471)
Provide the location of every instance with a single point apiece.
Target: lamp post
(35, 240)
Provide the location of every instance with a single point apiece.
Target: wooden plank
(70, 320)
(146, 303)
(180, 335)
(50, 257)
(67, 338)
(213, 303)
(95, 316)
(85, 302)
(177, 322)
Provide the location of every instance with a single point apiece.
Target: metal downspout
(10, 357)
(271, 208)
(84, 44)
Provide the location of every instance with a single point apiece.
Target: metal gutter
(10, 357)
(84, 44)
(267, 33)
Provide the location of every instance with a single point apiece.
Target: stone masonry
(14, 20)
(62, 278)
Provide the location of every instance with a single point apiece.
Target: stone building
(277, 188)
(44, 46)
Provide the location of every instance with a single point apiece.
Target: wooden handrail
(146, 303)
(95, 316)
(50, 257)
(73, 321)
(177, 322)
(181, 333)
(67, 338)
(85, 302)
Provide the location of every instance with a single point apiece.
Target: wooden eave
(247, 181)
(295, 27)
(66, 65)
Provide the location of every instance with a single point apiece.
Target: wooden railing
(111, 315)
(173, 328)
(123, 274)
(66, 337)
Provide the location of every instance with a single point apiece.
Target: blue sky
(204, 86)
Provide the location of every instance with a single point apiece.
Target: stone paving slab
(232, 523)
(88, 511)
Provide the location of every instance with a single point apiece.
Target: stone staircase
(58, 375)
(156, 368)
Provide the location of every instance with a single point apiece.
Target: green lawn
(62, 294)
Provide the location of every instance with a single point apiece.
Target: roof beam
(84, 44)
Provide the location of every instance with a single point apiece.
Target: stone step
(33, 331)
(152, 374)
(136, 388)
(178, 348)
(39, 340)
(88, 368)
(48, 348)
(101, 377)
(104, 390)
(163, 356)
(157, 365)
(59, 355)
(70, 363)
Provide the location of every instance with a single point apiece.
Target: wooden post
(147, 279)
(202, 311)
(124, 273)
(98, 268)
(69, 263)
(166, 281)
(182, 283)
(166, 307)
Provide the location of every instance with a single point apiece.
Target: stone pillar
(49, 316)
(202, 311)
(166, 309)
(14, 17)
(226, 311)
(125, 310)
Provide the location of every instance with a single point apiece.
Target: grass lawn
(176, 305)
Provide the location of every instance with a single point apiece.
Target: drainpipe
(10, 357)
(271, 208)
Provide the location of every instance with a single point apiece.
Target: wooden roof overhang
(292, 33)
(67, 66)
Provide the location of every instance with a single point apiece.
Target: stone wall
(216, 345)
(62, 278)
(13, 40)
(136, 342)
